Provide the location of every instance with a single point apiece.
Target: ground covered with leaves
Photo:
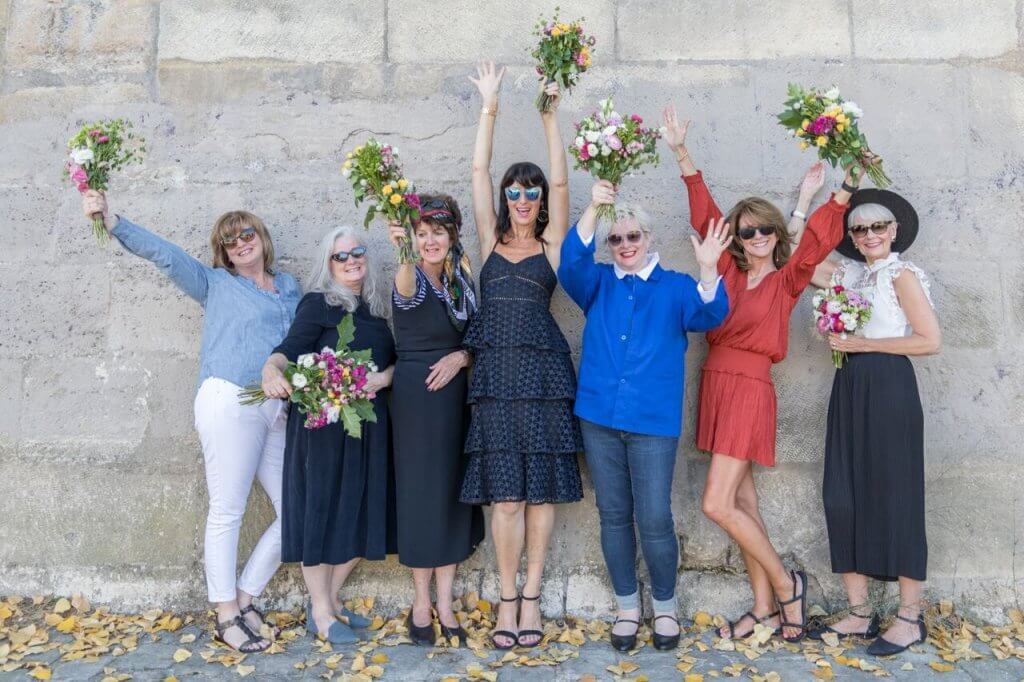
(67, 638)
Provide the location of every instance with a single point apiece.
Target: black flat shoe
(624, 642)
(883, 647)
(872, 630)
(797, 597)
(539, 634)
(665, 642)
(508, 634)
(420, 636)
(750, 614)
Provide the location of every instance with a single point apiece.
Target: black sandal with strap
(506, 633)
(665, 642)
(624, 642)
(802, 598)
(757, 621)
(539, 634)
(874, 625)
(883, 647)
(252, 609)
(252, 643)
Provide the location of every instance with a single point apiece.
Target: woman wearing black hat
(873, 487)
(432, 303)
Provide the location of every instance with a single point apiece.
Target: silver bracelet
(798, 214)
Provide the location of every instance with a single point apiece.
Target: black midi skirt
(873, 488)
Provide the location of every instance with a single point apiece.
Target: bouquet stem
(606, 212)
(838, 358)
(406, 255)
(252, 395)
(543, 101)
(100, 230)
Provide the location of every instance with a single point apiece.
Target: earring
(542, 215)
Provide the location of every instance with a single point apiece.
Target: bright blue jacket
(634, 341)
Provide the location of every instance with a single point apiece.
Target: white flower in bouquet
(592, 136)
(346, 172)
(834, 307)
(299, 380)
(82, 155)
(849, 321)
(832, 93)
(592, 149)
(605, 150)
(305, 360)
(851, 109)
(580, 141)
(609, 131)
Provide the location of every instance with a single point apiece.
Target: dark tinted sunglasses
(749, 232)
(878, 228)
(342, 256)
(513, 193)
(633, 237)
(246, 235)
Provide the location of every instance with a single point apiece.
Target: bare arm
(814, 180)
(405, 276)
(488, 82)
(558, 177)
(925, 339)
(675, 136)
(823, 272)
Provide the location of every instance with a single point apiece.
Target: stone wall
(251, 104)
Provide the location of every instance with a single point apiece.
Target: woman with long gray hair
(338, 491)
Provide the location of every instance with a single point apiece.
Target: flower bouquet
(839, 310)
(609, 146)
(94, 152)
(329, 386)
(826, 121)
(376, 176)
(562, 54)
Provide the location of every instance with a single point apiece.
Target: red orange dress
(736, 410)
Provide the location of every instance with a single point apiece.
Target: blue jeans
(632, 475)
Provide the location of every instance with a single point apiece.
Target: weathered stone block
(149, 313)
(933, 30)
(995, 100)
(661, 29)
(589, 596)
(73, 103)
(969, 308)
(77, 39)
(346, 31)
(10, 403)
(486, 30)
(28, 225)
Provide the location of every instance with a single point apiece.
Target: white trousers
(239, 442)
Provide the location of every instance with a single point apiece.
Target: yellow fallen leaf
(702, 619)
(244, 670)
(907, 666)
(694, 677)
(182, 655)
(628, 666)
(170, 678)
(41, 673)
(377, 623)
(830, 638)
(187, 639)
(941, 667)
(79, 602)
(358, 663)
(373, 671)
(62, 606)
(67, 625)
(823, 674)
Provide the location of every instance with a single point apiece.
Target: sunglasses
(633, 237)
(246, 235)
(513, 193)
(342, 256)
(749, 232)
(878, 228)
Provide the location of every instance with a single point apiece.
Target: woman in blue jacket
(630, 395)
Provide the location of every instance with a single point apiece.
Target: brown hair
(229, 226)
(764, 213)
(453, 235)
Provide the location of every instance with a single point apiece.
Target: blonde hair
(229, 226)
(764, 213)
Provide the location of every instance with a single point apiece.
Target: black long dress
(338, 498)
(434, 527)
(523, 437)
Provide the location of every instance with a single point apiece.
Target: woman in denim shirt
(248, 310)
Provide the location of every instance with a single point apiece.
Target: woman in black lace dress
(523, 438)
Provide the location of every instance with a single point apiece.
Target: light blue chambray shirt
(243, 323)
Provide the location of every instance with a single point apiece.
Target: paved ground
(383, 656)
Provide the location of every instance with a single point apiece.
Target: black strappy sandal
(252, 643)
(506, 633)
(539, 634)
(883, 647)
(665, 642)
(274, 630)
(802, 598)
(757, 621)
(874, 626)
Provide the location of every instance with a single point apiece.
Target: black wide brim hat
(906, 218)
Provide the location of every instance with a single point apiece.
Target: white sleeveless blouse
(875, 282)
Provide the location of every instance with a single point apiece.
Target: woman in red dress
(764, 274)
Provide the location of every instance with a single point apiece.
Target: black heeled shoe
(539, 634)
(872, 630)
(665, 642)
(457, 633)
(506, 633)
(802, 598)
(420, 635)
(883, 647)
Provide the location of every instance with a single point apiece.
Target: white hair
(870, 213)
(320, 279)
(624, 211)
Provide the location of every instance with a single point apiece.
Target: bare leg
(338, 577)
(444, 576)
(421, 600)
(508, 528)
(764, 596)
(857, 596)
(318, 584)
(901, 632)
(540, 519)
(721, 505)
(234, 636)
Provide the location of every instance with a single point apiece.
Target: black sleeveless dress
(523, 437)
(434, 527)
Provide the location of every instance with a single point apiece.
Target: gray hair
(634, 211)
(870, 213)
(321, 281)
